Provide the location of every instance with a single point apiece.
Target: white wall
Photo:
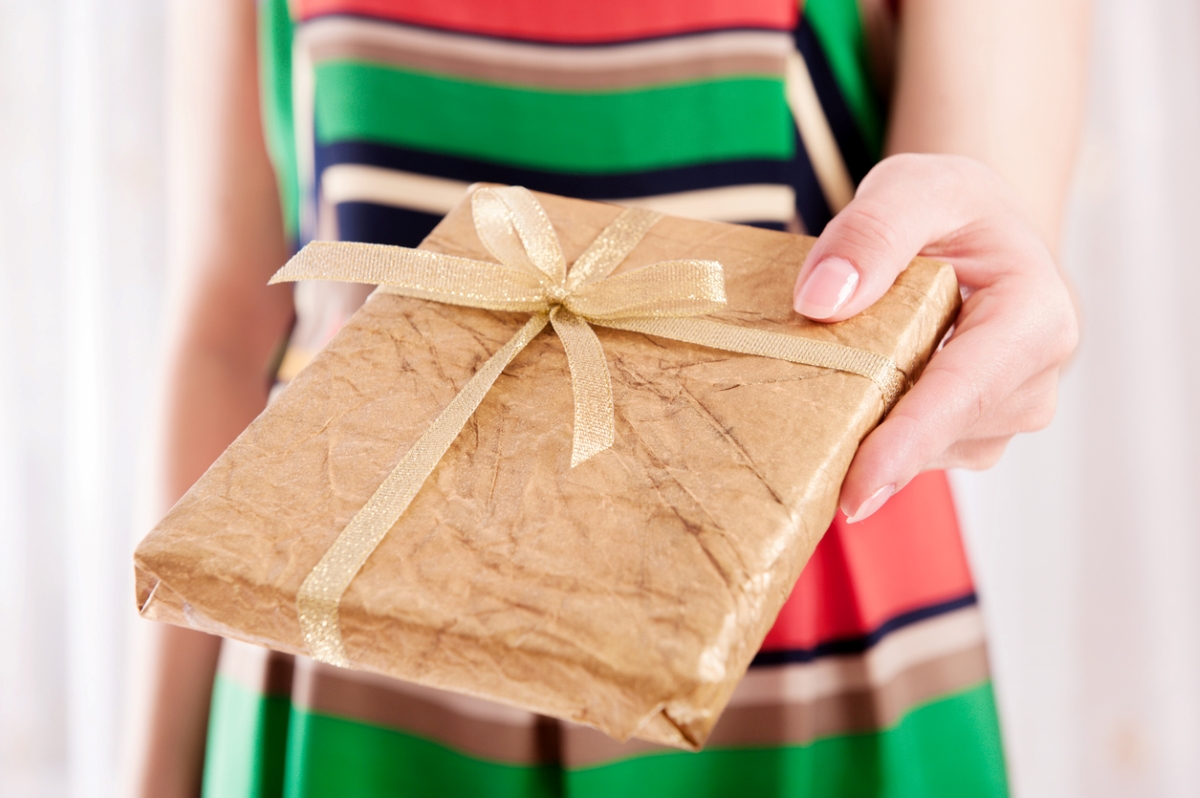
(81, 262)
(1085, 537)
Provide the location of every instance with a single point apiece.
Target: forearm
(218, 382)
(1001, 81)
(211, 398)
(988, 98)
(227, 240)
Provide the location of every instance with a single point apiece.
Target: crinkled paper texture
(629, 593)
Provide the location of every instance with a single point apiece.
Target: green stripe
(949, 748)
(275, 80)
(247, 742)
(330, 756)
(839, 28)
(596, 132)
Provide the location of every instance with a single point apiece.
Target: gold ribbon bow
(531, 275)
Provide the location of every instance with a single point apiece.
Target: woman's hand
(998, 374)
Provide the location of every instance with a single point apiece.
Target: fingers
(947, 399)
(970, 401)
(975, 454)
(998, 374)
(905, 202)
(1028, 409)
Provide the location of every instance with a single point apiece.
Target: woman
(377, 113)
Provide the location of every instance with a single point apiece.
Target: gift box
(582, 491)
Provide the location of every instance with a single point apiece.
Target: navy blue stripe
(584, 186)
(383, 224)
(779, 227)
(858, 645)
(855, 151)
(810, 200)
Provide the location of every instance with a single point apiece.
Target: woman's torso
(379, 113)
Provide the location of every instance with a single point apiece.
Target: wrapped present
(585, 491)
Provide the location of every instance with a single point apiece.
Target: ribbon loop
(669, 288)
(418, 273)
(515, 229)
(611, 247)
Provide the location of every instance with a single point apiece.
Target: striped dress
(379, 113)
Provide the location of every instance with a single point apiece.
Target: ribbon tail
(319, 595)
(594, 426)
(886, 375)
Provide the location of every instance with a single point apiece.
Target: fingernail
(868, 508)
(826, 289)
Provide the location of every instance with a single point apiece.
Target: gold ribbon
(531, 275)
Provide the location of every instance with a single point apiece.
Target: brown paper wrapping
(629, 593)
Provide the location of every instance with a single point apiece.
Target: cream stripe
(894, 654)
(303, 99)
(360, 183)
(749, 203)
(814, 128)
(327, 32)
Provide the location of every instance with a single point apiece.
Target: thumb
(899, 208)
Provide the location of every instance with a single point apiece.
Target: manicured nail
(828, 286)
(868, 508)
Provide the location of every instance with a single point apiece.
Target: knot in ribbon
(531, 275)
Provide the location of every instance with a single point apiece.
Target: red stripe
(593, 21)
(906, 556)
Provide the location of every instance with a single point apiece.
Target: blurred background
(1085, 539)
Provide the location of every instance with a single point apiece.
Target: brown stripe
(594, 68)
(879, 31)
(472, 726)
(256, 668)
(801, 723)
(858, 711)
(518, 75)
